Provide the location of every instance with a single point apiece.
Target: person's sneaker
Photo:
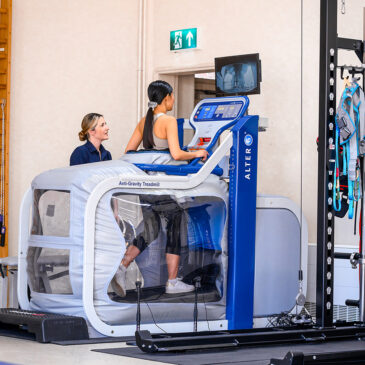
(176, 286)
(119, 282)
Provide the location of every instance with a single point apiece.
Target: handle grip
(2, 239)
(352, 302)
(195, 161)
(198, 159)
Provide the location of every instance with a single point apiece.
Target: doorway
(189, 89)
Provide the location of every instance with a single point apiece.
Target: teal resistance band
(336, 172)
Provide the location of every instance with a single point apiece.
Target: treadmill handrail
(177, 169)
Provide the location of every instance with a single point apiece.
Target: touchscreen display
(211, 112)
(207, 112)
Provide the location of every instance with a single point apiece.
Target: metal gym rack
(325, 329)
(330, 44)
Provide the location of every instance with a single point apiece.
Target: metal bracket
(354, 259)
(352, 45)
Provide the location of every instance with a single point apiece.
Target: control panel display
(206, 112)
(218, 111)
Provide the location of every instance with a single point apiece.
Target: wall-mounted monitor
(238, 75)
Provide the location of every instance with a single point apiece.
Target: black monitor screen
(238, 75)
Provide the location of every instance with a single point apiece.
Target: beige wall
(69, 58)
(73, 57)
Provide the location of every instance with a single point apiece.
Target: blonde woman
(94, 131)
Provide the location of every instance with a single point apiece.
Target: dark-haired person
(94, 131)
(159, 131)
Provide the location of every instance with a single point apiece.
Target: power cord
(155, 323)
(206, 312)
(153, 318)
(286, 319)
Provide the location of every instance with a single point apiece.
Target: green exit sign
(183, 39)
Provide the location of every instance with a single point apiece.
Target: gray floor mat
(95, 340)
(247, 355)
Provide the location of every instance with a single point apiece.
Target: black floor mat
(247, 355)
(24, 335)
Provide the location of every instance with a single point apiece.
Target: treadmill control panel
(211, 116)
(210, 112)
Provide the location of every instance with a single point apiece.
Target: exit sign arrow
(189, 37)
(183, 39)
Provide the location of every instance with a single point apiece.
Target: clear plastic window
(158, 226)
(51, 213)
(48, 270)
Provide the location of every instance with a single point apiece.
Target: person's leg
(174, 285)
(173, 243)
(151, 222)
(172, 262)
(132, 251)
(130, 254)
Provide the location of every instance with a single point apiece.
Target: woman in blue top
(94, 131)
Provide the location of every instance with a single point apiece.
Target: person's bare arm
(136, 138)
(173, 140)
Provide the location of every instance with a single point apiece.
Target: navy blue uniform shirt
(88, 153)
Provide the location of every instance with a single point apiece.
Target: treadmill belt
(206, 294)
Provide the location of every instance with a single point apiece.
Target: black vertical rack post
(329, 46)
(325, 214)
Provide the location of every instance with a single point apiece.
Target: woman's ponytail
(148, 142)
(82, 136)
(157, 91)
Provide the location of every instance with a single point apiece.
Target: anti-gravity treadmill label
(139, 184)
